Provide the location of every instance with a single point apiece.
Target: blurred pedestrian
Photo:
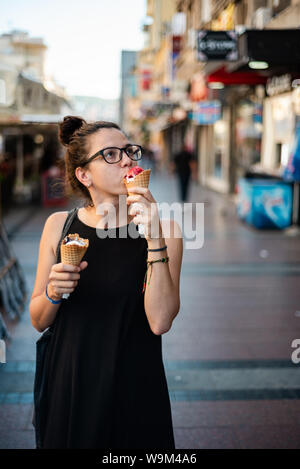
(182, 162)
(105, 380)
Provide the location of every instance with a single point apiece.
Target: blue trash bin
(265, 203)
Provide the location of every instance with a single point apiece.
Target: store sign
(217, 45)
(277, 85)
(207, 112)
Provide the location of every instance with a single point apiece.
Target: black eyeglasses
(114, 154)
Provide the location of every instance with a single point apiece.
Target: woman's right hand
(63, 278)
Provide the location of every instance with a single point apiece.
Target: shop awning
(236, 78)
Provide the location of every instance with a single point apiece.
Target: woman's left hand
(145, 209)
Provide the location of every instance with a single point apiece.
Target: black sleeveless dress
(106, 383)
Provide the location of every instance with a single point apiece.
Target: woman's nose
(125, 161)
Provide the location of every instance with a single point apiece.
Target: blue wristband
(50, 299)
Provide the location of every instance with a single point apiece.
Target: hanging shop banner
(176, 47)
(217, 45)
(198, 88)
(207, 112)
(146, 79)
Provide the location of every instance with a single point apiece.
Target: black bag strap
(71, 215)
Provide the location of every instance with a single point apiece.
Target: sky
(84, 38)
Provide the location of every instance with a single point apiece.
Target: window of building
(2, 91)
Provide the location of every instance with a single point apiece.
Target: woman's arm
(61, 278)
(162, 296)
(42, 312)
(162, 299)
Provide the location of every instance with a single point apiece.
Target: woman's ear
(83, 176)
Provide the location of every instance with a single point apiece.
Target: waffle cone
(72, 254)
(141, 180)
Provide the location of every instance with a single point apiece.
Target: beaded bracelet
(150, 263)
(54, 302)
(159, 249)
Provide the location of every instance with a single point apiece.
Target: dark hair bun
(67, 128)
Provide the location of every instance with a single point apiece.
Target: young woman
(106, 384)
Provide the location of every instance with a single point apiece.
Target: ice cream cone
(141, 180)
(72, 254)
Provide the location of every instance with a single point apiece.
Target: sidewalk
(228, 354)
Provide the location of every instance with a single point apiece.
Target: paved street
(227, 357)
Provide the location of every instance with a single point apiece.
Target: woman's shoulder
(54, 224)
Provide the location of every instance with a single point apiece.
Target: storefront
(279, 124)
(257, 124)
(27, 150)
(248, 132)
(211, 119)
(230, 145)
(214, 153)
(275, 55)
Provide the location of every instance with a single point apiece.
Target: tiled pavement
(228, 355)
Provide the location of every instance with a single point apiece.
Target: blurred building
(25, 91)
(223, 77)
(155, 68)
(93, 108)
(31, 104)
(242, 139)
(24, 53)
(128, 103)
